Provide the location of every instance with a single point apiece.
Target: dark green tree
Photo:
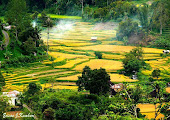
(96, 81)
(1, 35)
(98, 54)
(29, 46)
(33, 89)
(49, 114)
(160, 17)
(17, 15)
(4, 105)
(126, 28)
(2, 80)
(143, 13)
(131, 63)
(156, 73)
(133, 60)
(137, 52)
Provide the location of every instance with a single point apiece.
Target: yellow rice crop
(75, 51)
(19, 77)
(117, 49)
(73, 77)
(109, 56)
(60, 48)
(65, 83)
(60, 73)
(151, 58)
(77, 44)
(109, 65)
(107, 48)
(151, 55)
(71, 63)
(65, 87)
(152, 50)
(168, 89)
(111, 42)
(149, 111)
(27, 81)
(58, 59)
(65, 55)
(146, 72)
(37, 73)
(120, 78)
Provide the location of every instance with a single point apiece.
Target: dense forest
(140, 23)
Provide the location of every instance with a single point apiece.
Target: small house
(165, 51)
(117, 87)
(13, 96)
(7, 27)
(93, 39)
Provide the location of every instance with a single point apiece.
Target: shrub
(98, 54)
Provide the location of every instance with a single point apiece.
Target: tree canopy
(96, 81)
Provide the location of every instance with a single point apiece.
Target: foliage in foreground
(96, 81)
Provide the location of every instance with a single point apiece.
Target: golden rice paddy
(78, 40)
(65, 87)
(65, 55)
(109, 65)
(168, 89)
(71, 63)
(120, 78)
(110, 56)
(72, 77)
(149, 111)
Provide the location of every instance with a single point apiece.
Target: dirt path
(6, 37)
(24, 105)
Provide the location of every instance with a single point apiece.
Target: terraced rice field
(71, 46)
(149, 111)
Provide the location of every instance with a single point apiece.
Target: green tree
(49, 114)
(2, 80)
(133, 97)
(33, 89)
(143, 13)
(126, 28)
(131, 63)
(137, 52)
(1, 35)
(17, 15)
(4, 105)
(156, 73)
(98, 54)
(52, 81)
(133, 60)
(8, 54)
(96, 81)
(29, 46)
(160, 17)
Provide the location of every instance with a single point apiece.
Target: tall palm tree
(49, 23)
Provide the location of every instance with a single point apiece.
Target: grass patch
(62, 16)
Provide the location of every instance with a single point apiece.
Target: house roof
(11, 94)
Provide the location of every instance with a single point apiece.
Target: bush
(163, 43)
(98, 54)
(22, 60)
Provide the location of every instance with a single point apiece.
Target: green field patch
(62, 16)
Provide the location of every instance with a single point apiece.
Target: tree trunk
(47, 39)
(161, 20)
(16, 34)
(82, 6)
(161, 27)
(135, 111)
(52, 86)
